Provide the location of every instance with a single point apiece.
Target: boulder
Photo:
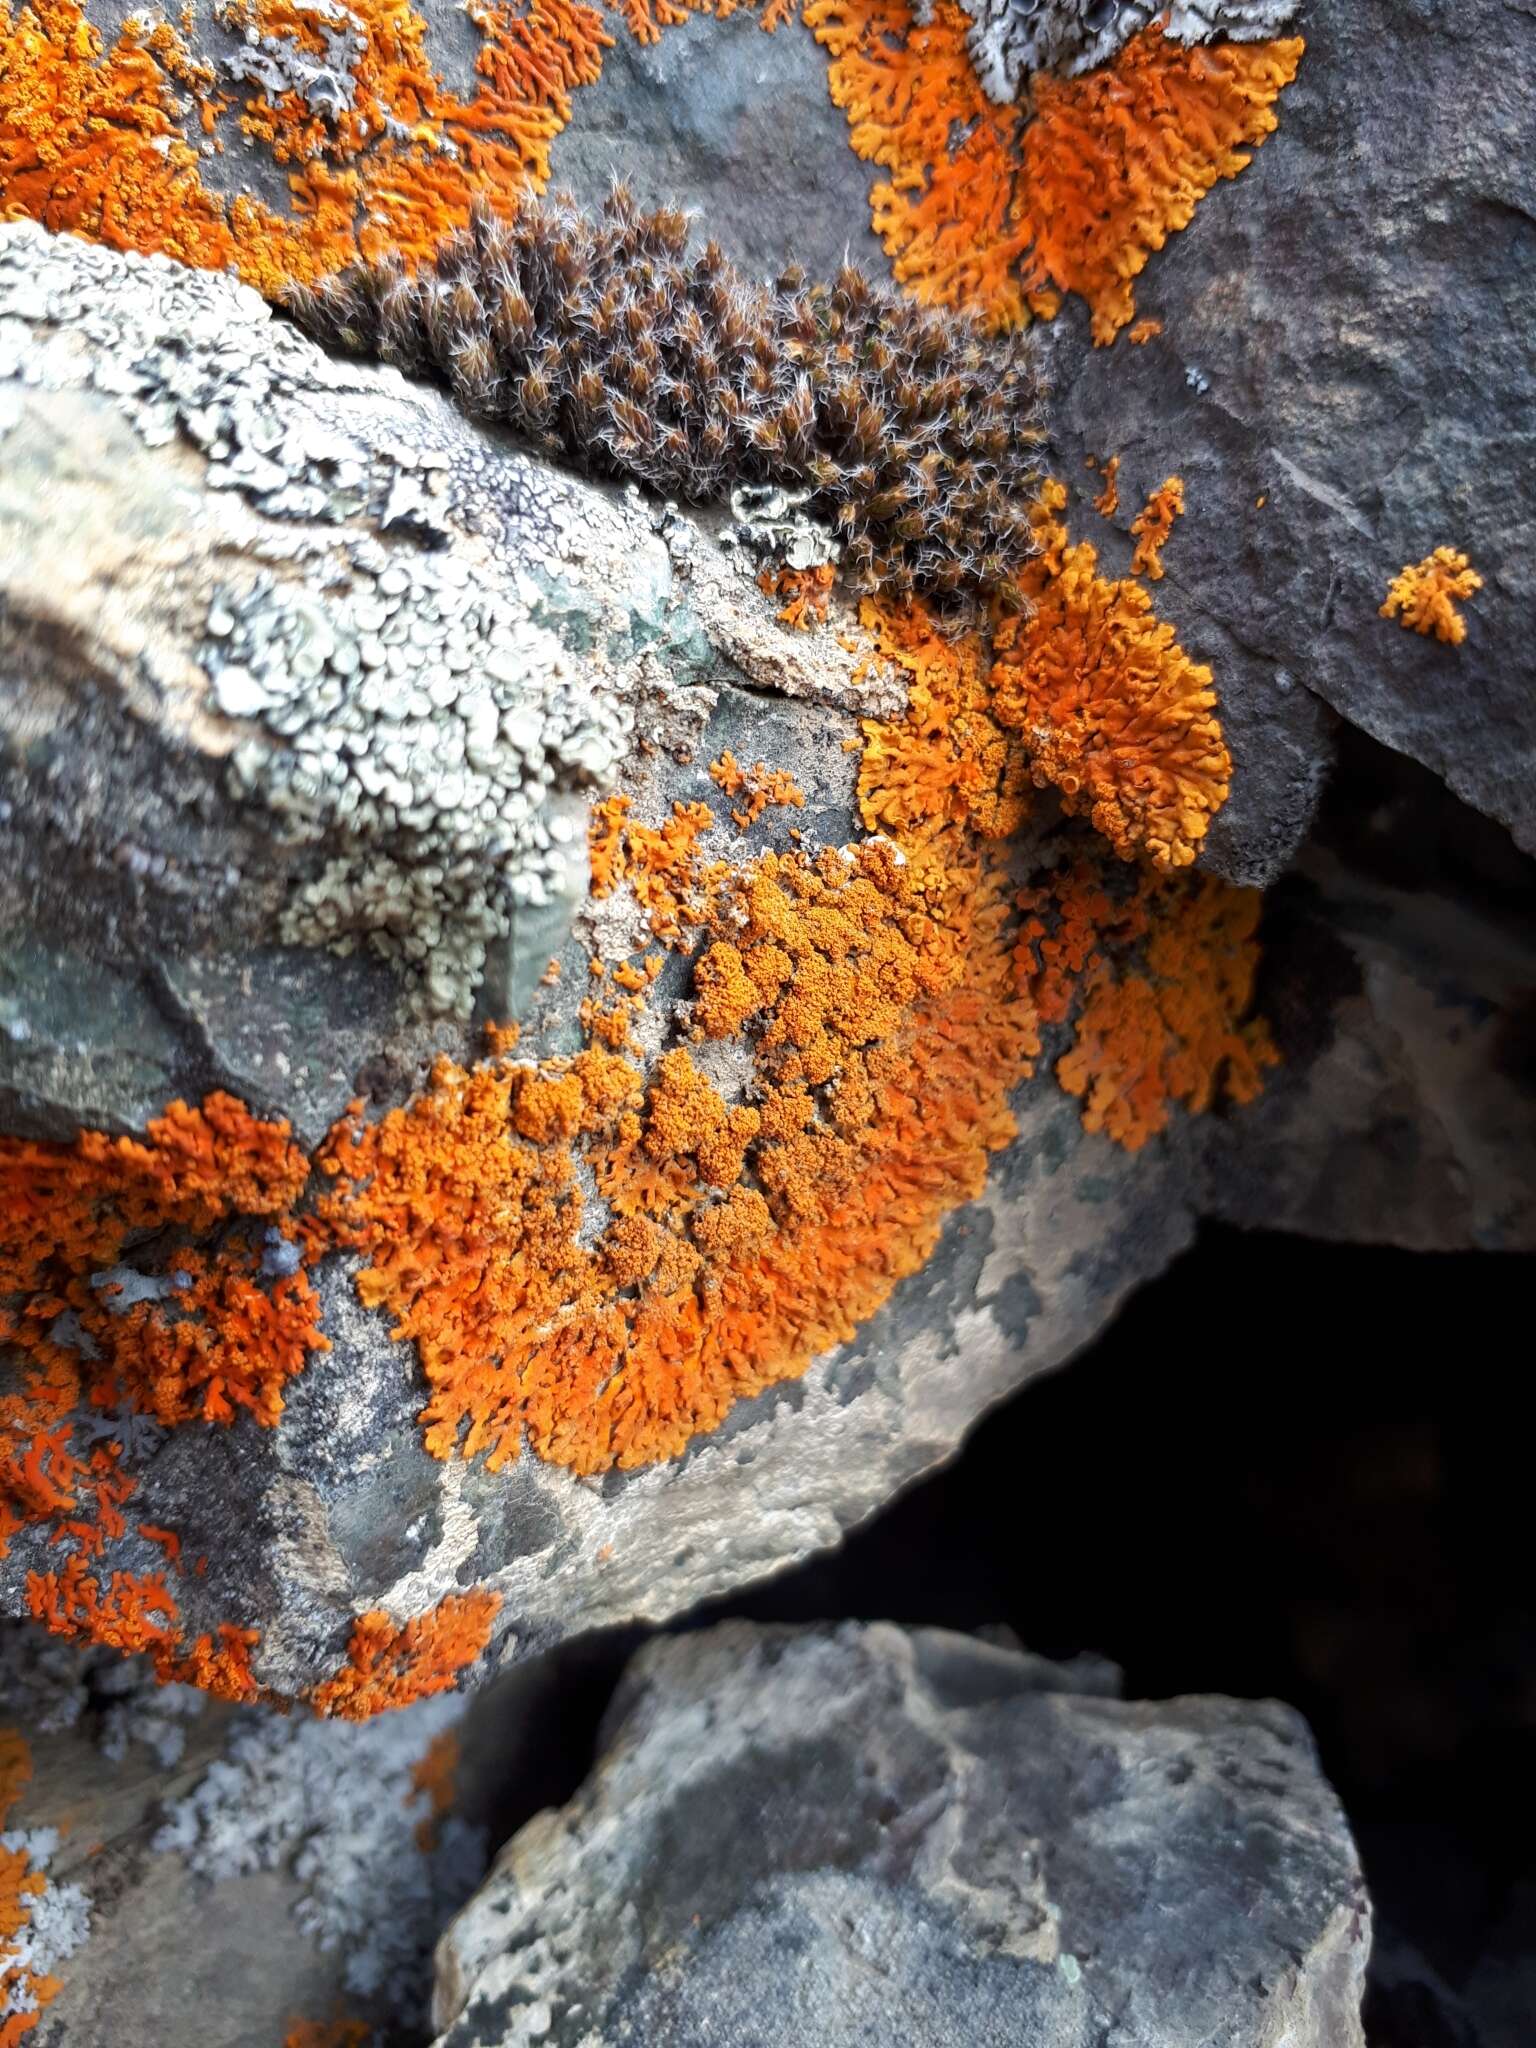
(861, 1833)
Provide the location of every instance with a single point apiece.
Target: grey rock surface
(1343, 380)
(860, 1834)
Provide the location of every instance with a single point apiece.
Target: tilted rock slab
(213, 543)
(861, 1833)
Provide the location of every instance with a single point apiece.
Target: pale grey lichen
(1010, 40)
(418, 736)
(336, 1805)
(47, 1687)
(432, 737)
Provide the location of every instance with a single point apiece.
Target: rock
(159, 863)
(1343, 346)
(859, 1833)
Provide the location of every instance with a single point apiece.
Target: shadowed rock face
(860, 1833)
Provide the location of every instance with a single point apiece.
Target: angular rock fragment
(844, 1835)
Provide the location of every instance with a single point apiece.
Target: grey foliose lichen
(341, 1807)
(430, 734)
(414, 731)
(1010, 40)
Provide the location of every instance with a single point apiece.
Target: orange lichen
(433, 1777)
(389, 1664)
(760, 788)
(137, 1614)
(1107, 503)
(1161, 981)
(1143, 331)
(807, 593)
(1423, 596)
(211, 1333)
(743, 1238)
(660, 863)
(92, 136)
(1152, 526)
(1002, 210)
(1114, 712)
(337, 2033)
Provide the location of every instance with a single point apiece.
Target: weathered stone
(862, 1834)
(143, 902)
(1341, 377)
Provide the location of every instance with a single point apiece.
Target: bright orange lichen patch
(137, 1614)
(807, 593)
(1423, 596)
(1081, 687)
(200, 1334)
(1107, 503)
(1159, 980)
(1002, 210)
(1152, 526)
(92, 136)
(760, 788)
(659, 862)
(390, 1664)
(743, 1238)
(20, 1888)
(1143, 332)
(1113, 711)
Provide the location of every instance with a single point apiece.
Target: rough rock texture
(1341, 379)
(861, 1834)
(144, 894)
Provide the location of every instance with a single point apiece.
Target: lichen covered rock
(844, 1834)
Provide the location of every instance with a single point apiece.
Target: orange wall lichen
(1159, 983)
(1115, 714)
(1002, 209)
(391, 1664)
(93, 132)
(1152, 526)
(1423, 596)
(215, 1333)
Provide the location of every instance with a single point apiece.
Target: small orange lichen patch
(1152, 526)
(660, 863)
(208, 1334)
(759, 787)
(137, 1615)
(433, 1777)
(807, 593)
(947, 765)
(1423, 596)
(1172, 1023)
(338, 2033)
(389, 1664)
(1107, 503)
(1001, 210)
(1143, 331)
(1114, 712)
